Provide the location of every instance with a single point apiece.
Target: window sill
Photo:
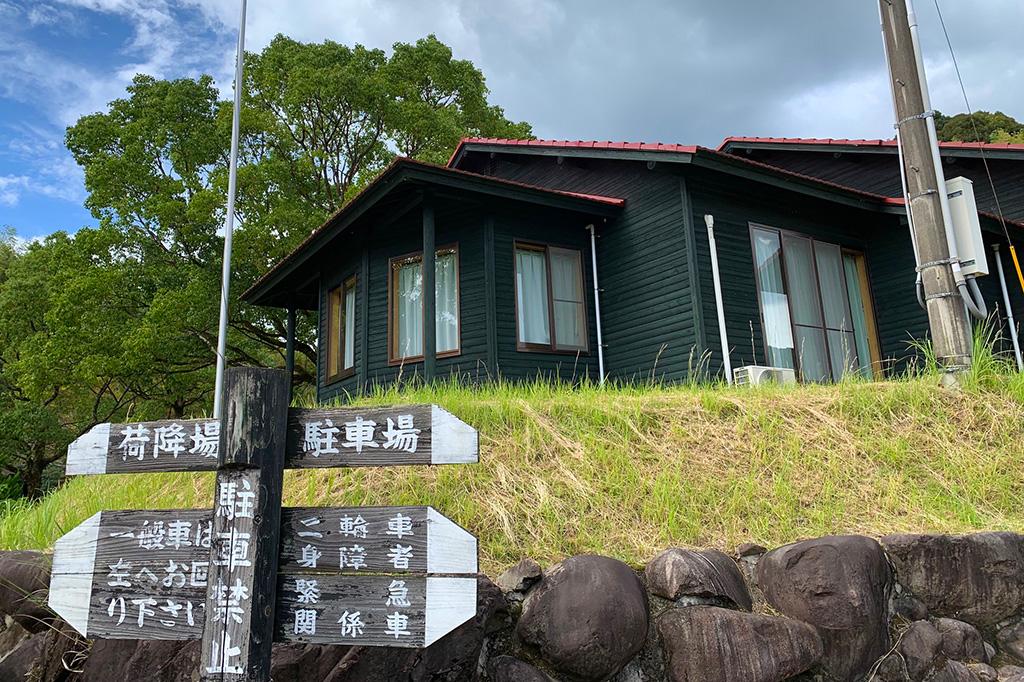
(341, 376)
(416, 359)
(582, 352)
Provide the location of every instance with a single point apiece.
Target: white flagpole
(229, 225)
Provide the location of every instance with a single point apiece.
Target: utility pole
(925, 189)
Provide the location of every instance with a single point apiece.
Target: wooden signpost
(249, 573)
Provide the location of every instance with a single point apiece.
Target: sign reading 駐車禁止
(247, 572)
(340, 437)
(145, 574)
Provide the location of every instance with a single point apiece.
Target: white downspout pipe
(597, 305)
(709, 220)
(1009, 311)
(975, 308)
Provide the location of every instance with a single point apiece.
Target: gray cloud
(684, 71)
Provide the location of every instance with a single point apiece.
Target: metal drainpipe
(1009, 310)
(975, 308)
(597, 305)
(709, 220)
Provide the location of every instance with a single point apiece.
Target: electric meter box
(966, 227)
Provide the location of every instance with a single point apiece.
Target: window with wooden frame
(815, 302)
(341, 330)
(551, 311)
(405, 303)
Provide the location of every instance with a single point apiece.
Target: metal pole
(1009, 310)
(289, 349)
(709, 220)
(229, 225)
(597, 306)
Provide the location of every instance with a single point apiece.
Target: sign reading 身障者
(247, 572)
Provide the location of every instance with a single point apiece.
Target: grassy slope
(627, 472)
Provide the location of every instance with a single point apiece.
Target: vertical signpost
(248, 573)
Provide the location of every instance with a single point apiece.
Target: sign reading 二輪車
(247, 572)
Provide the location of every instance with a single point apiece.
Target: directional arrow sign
(372, 610)
(342, 437)
(374, 540)
(144, 575)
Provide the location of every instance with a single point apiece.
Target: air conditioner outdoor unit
(755, 375)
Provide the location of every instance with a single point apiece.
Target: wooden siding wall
(454, 226)
(554, 229)
(644, 274)
(735, 204)
(488, 346)
(879, 173)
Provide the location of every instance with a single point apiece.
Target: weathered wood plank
(144, 574)
(338, 437)
(372, 610)
(374, 540)
(242, 585)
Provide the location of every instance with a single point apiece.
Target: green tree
(981, 126)
(120, 321)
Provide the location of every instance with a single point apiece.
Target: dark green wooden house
(815, 275)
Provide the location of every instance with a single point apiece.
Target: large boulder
(961, 641)
(1011, 641)
(586, 618)
(509, 669)
(151, 660)
(920, 648)
(840, 585)
(712, 644)
(24, 583)
(706, 575)
(977, 578)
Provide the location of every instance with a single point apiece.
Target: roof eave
(586, 152)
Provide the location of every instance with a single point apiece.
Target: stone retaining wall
(907, 608)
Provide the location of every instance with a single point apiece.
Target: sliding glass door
(814, 302)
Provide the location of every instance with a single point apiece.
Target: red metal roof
(405, 161)
(694, 149)
(575, 144)
(842, 142)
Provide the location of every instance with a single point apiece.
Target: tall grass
(629, 470)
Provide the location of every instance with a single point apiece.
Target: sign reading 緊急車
(341, 437)
(248, 572)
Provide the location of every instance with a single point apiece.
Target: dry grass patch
(629, 471)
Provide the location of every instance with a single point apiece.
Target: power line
(974, 124)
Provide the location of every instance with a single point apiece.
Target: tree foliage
(981, 126)
(121, 320)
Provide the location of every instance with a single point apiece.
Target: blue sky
(685, 71)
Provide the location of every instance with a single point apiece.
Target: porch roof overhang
(398, 189)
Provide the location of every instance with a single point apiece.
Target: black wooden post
(242, 580)
(429, 302)
(490, 298)
(289, 349)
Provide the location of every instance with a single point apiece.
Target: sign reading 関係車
(248, 572)
(340, 437)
